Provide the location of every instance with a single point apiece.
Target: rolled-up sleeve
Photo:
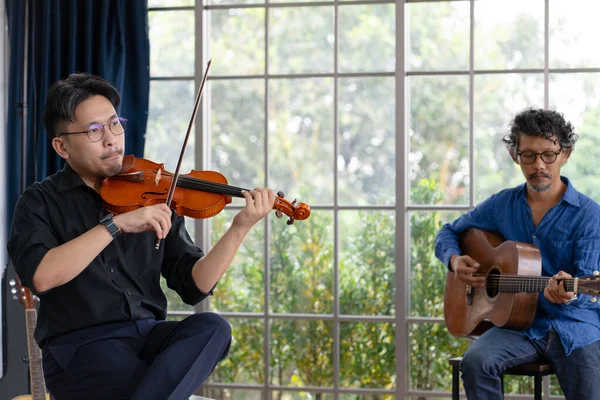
(31, 236)
(446, 241)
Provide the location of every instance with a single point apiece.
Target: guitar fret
(36, 372)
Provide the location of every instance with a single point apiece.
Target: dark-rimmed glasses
(96, 131)
(529, 157)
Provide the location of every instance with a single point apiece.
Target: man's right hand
(155, 218)
(464, 267)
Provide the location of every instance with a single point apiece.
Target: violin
(199, 194)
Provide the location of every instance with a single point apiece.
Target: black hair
(541, 123)
(66, 95)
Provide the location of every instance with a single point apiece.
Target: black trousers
(136, 360)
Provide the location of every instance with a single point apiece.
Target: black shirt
(122, 283)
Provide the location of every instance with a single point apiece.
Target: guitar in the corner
(512, 284)
(36, 373)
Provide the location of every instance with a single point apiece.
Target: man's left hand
(259, 202)
(555, 290)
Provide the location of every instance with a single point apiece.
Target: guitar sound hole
(491, 283)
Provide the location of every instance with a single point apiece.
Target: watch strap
(108, 222)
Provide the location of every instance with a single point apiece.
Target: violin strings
(208, 186)
(215, 187)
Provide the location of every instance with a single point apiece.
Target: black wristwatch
(110, 225)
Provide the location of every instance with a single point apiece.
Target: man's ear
(513, 154)
(566, 155)
(60, 146)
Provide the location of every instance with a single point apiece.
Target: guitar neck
(523, 283)
(38, 385)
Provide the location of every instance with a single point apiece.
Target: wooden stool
(537, 370)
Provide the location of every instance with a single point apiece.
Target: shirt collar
(69, 179)
(571, 195)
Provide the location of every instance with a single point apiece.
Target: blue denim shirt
(568, 237)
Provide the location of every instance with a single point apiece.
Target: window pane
(431, 346)
(301, 353)
(301, 139)
(367, 38)
(172, 43)
(300, 40)
(230, 394)
(427, 273)
(573, 32)
(439, 138)
(232, 2)
(170, 3)
(302, 265)
(497, 99)
(237, 129)
(367, 262)
(509, 34)
(577, 96)
(171, 105)
(438, 36)
(367, 141)
(244, 363)
(367, 355)
(241, 289)
(301, 395)
(237, 41)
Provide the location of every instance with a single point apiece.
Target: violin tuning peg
(294, 202)
(281, 194)
(278, 214)
(290, 221)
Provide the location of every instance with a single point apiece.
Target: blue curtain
(108, 38)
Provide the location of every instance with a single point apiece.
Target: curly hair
(542, 123)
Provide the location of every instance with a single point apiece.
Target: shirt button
(128, 293)
(112, 270)
(534, 237)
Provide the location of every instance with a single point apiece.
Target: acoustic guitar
(512, 284)
(36, 373)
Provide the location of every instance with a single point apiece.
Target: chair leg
(455, 382)
(537, 390)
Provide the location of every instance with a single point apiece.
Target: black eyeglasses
(529, 157)
(96, 131)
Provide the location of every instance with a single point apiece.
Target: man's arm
(446, 241)
(208, 270)
(61, 264)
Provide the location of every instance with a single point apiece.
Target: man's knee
(208, 324)
(477, 361)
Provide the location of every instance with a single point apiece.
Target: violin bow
(185, 141)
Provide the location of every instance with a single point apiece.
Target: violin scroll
(294, 210)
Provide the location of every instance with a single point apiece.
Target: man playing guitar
(548, 212)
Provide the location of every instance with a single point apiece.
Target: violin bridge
(157, 178)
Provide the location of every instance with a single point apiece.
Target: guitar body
(472, 314)
(28, 397)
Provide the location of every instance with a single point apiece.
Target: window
(386, 118)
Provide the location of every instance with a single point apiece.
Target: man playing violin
(101, 322)
(564, 224)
